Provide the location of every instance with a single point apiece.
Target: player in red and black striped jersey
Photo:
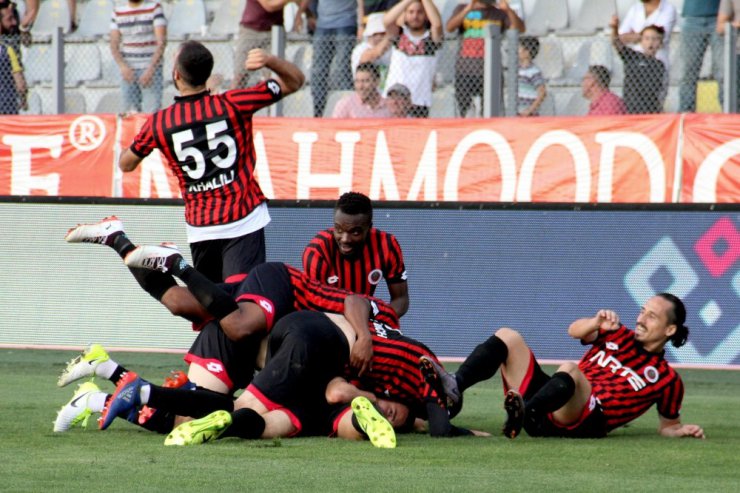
(355, 256)
(617, 380)
(207, 142)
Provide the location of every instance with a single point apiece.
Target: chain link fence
(568, 76)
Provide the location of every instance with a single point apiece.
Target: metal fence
(69, 73)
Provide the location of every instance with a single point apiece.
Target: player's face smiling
(350, 232)
(653, 327)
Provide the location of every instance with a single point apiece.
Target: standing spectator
(414, 53)
(649, 13)
(531, 89)
(374, 47)
(337, 24)
(137, 40)
(12, 82)
(698, 31)
(32, 11)
(595, 88)
(399, 101)
(470, 19)
(643, 72)
(729, 11)
(10, 33)
(377, 6)
(255, 31)
(208, 144)
(366, 101)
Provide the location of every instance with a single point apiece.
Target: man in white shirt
(645, 13)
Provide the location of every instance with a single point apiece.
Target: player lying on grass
(233, 317)
(618, 379)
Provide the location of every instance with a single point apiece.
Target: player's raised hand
(256, 59)
(608, 320)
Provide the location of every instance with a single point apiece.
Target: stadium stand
(187, 18)
(94, 19)
(52, 14)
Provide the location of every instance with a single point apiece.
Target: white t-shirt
(664, 16)
(413, 64)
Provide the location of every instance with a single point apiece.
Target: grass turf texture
(127, 458)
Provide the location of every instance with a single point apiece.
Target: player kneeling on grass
(619, 378)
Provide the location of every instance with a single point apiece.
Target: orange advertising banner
(711, 159)
(57, 155)
(626, 159)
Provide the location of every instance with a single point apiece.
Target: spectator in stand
(255, 31)
(698, 32)
(137, 40)
(470, 19)
(337, 27)
(644, 74)
(415, 28)
(377, 6)
(32, 11)
(595, 88)
(366, 101)
(399, 101)
(12, 82)
(649, 13)
(531, 84)
(10, 33)
(729, 11)
(374, 47)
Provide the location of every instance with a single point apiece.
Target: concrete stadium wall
(471, 270)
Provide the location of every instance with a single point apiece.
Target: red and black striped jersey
(207, 142)
(380, 258)
(395, 372)
(628, 380)
(312, 295)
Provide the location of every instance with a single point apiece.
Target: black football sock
(187, 402)
(245, 423)
(356, 426)
(482, 363)
(117, 374)
(153, 282)
(160, 422)
(213, 298)
(552, 396)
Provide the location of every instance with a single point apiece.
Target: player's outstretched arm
(674, 428)
(586, 328)
(289, 76)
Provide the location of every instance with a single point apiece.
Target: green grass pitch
(126, 458)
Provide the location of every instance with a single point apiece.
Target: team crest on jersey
(214, 367)
(375, 276)
(266, 305)
(332, 279)
(613, 346)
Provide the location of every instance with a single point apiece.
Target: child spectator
(531, 90)
(643, 72)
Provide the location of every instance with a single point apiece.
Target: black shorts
(231, 362)
(305, 351)
(593, 424)
(219, 259)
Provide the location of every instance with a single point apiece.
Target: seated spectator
(12, 82)
(595, 88)
(643, 72)
(10, 33)
(374, 47)
(399, 101)
(366, 101)
(415, 28)
(531, 84)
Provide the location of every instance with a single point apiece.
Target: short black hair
(601, 74)
(194, 63)
(677, 317)
(370, 68)
(354, 203)
(531, 44)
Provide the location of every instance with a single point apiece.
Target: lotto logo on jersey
(214, 367)
(266, 306)
(332, 279)
(273, 86)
